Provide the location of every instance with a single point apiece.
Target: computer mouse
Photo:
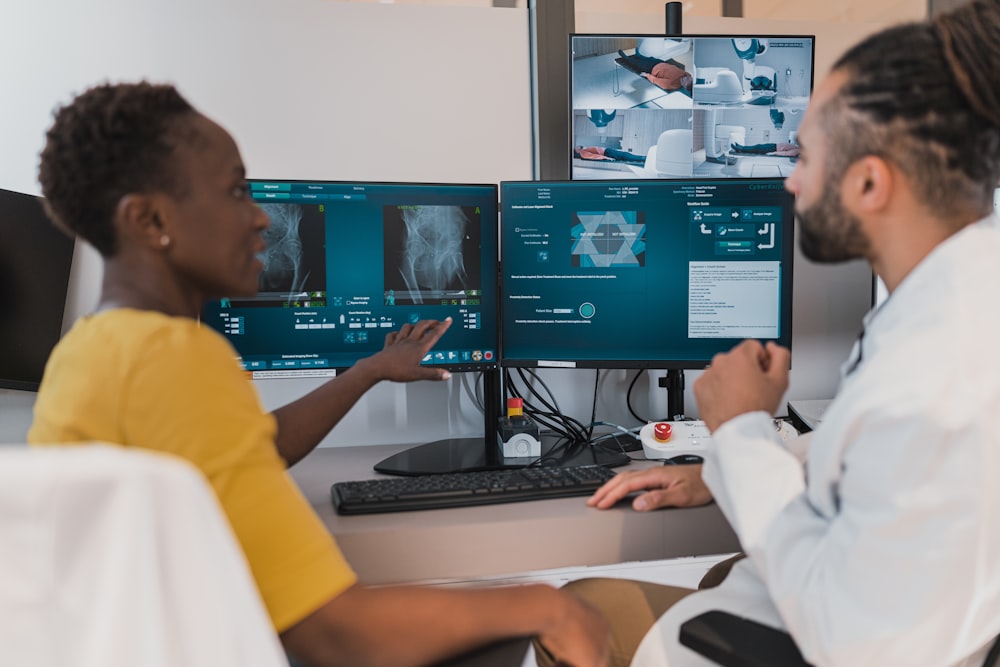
(683, 460)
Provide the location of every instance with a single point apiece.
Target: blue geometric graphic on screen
(608, 238)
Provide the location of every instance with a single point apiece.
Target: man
(885, 548)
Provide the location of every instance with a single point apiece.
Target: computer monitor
(348, 262)
(659, 274)
(702, 106)
(35, 261)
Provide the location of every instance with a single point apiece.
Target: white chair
(113, 556)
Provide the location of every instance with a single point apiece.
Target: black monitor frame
(35, 263)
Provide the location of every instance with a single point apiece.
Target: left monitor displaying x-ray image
(349, 262)
(704, 106)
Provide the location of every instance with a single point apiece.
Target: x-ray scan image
(429, 250)
(294, 261)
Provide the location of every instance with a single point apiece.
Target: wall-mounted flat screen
(703, 106)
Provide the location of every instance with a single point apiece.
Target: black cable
(628, 400)
(570, 432)
(628, 396)
(552, 420)
(601, 441)
(573, 428)
(593, 407)
(555, 452)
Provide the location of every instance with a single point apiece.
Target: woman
(159, 190)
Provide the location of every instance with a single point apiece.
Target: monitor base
(458, 454)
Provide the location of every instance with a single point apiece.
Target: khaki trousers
(632, 607)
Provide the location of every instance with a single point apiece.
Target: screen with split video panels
(702, 106)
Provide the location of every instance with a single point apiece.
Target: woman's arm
(412, 626)
(303, 423)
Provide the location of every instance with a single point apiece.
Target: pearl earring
(164, 240)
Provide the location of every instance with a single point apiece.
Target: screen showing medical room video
(703, 106)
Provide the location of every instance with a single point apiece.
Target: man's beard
(828, 233)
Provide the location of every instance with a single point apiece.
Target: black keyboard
(463, 489)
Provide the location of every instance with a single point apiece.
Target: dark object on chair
(733, 641)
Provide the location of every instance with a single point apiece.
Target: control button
(662, 431)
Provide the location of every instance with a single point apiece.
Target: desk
(502, 539)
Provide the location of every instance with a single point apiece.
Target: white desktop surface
(494, 540)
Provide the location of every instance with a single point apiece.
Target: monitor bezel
(54, 333)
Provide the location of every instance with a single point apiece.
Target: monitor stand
(460, 454)
(483, 453)
(673, 382)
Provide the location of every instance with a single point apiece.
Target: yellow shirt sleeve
(174, 386)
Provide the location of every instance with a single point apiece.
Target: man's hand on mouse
(662, 486)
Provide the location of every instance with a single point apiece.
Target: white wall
(310, 89)
(316, 89)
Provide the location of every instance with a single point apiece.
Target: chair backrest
(112, 556)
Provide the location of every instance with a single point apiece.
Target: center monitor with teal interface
(659, 274)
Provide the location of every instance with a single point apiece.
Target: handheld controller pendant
(517, 435)
(663, 440)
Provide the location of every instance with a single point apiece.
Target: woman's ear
(139, 218)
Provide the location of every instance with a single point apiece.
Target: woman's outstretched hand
(399, 360)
